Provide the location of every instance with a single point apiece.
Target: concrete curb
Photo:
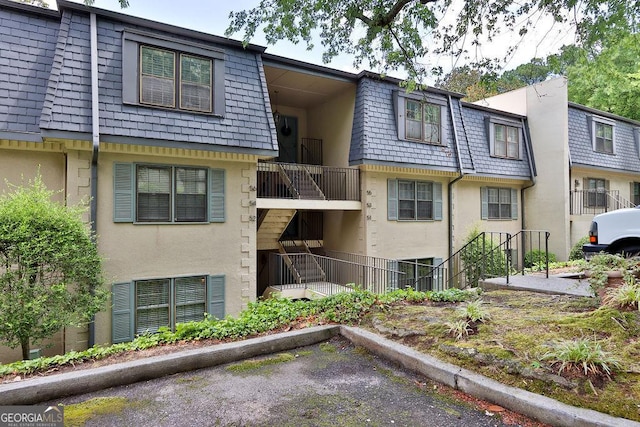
(542, 408)
(539, 407)
(38, 390)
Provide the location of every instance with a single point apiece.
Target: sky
(212, 16)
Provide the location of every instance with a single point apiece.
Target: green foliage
(610, 81)
(576, 252)
(474, 311)
(538, 257)
(392, 34)
(583, 353)
(50, 270)
(601, 265)
(626, 295)
(481, 258)
(459, 328)
(261, 316)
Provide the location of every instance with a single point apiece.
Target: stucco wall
(401, 239)
(145, 251)
(546, 203)
(467, 211)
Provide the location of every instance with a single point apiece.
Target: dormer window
(162, 72)
(604, 138)
(421, 117)
(423, 122)
(603, 134)
(505, 137)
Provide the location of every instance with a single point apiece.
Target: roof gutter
(95, 138)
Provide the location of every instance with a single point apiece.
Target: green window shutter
(122, 312)
(437, 275)
(392, 199)
(514, 203)
(216, 195)
(484, 199)
(437, 201)
(123, 192)
(215, 291)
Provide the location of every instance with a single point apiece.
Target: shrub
(582, 353)
(537, 257)
(576, 252)
(481, 258)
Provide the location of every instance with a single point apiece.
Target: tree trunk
(25, 348)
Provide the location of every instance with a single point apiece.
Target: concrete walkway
(542, 408)
(556, 284)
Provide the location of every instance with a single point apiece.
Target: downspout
(532, 170)
(451, 183)
(95, 126)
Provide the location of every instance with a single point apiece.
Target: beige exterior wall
(467, 210)
(19, 163)
(401, 239)
(546, 203)
(618, 181)
(146, 251)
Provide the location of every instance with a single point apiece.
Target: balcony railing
(308, 182)
(593, 202)
(304, 269)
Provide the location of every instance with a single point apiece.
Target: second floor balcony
(294, 181)
(596, 201)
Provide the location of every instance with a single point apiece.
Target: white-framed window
(163, 73)
(499, 203)
(143, 306)
(604, 137)
(409, 200)
(506, 141)
(170, 73)
(423, 121)
(421, 117)
(505, 136)
(603, 134)
(150, 193)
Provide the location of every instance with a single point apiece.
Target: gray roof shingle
(626, 156)
(26, 54)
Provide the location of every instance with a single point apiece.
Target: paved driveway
(330, 384)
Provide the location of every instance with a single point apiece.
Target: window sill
(170, 223)
(505, 157)
(176, 110)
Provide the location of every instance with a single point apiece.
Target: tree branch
(383, 20)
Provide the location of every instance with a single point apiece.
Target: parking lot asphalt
(328, 384)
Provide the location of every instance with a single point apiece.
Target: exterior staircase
(271, 225)
(300, 182)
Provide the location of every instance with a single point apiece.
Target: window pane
(413, 125)
(191, 195)
(513, 151)
(406, 190)
(425, 210)
(152, 305)
(499, 132)
(425, 191)
(494, 210)
(190, 298)
(493, 195)
(406, 209)
(154, 193)
(505, 195)
(432, 123)
(157, 83)
(195, 84)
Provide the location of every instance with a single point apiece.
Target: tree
(610, 81)
(40, 3)
(392, 34)
(50, 270)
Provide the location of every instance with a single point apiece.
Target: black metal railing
(303, 270)
(497, 254)
(593, 202)
(300, 181)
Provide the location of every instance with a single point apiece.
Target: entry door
(288, 139)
